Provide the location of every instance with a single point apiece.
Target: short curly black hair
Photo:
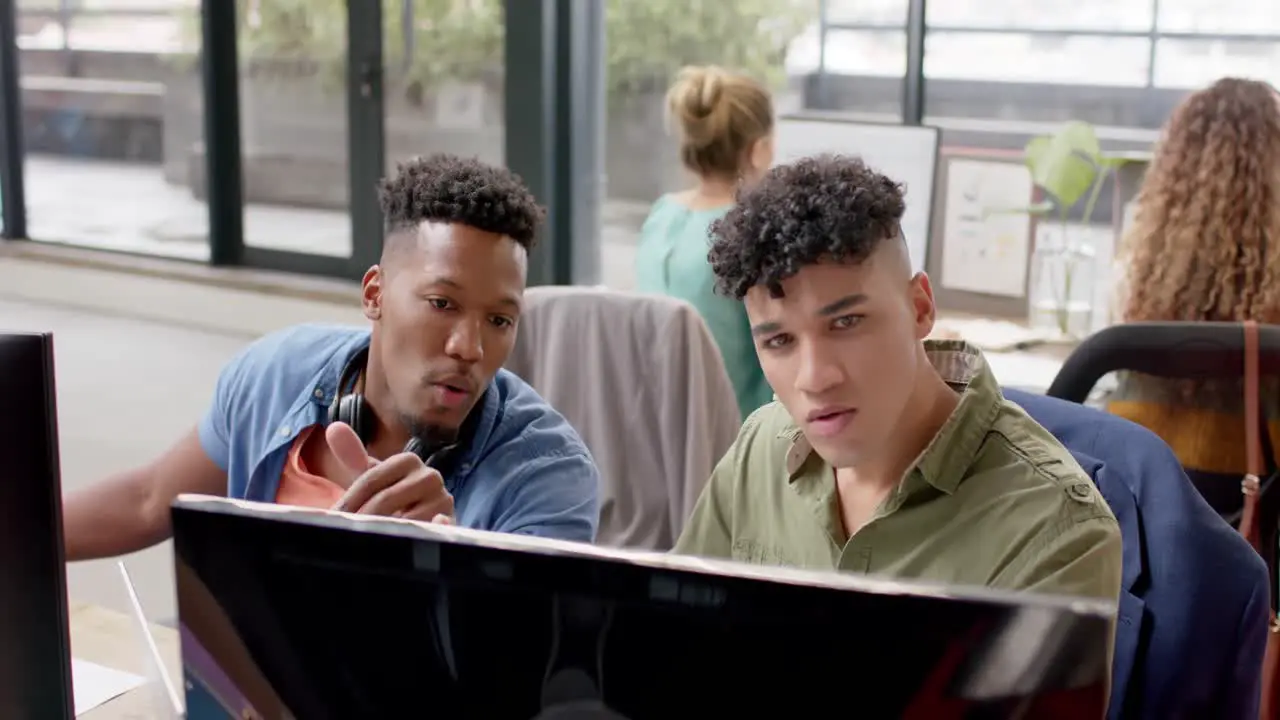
(818, 208)
(447, 188)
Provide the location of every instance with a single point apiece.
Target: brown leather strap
(1252, 438)
(1270, 706)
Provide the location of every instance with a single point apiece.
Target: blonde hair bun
(696, 102)
(720, 115)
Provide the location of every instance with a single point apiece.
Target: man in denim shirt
(413, 419)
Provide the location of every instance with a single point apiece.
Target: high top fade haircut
(450, 189)
(825, 208)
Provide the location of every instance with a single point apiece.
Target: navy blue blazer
(1192, 624)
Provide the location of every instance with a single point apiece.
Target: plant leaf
(1081, 138)
(1036, 151)
(1066, 163)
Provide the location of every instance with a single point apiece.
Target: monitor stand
(570, 694)
(579, 710)
(572, 689)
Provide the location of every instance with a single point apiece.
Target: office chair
(1192, 351)
(663, 413)
(1177, 350)
(1191, 631)
(1189, 350)
(1195, 351)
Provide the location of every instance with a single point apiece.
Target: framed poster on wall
(981, 249)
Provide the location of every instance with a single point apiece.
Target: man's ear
(922, 305)
(371, 293)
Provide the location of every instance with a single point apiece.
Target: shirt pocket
(761, 553)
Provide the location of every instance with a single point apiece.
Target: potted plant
(1068, 169)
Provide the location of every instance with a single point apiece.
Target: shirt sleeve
(1083, 559)
(554, 496)
(215, 427)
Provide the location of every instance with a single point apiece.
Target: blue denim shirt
(524, 470)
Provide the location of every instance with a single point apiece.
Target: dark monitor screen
(302, 614)
(295, 613)
(35, 662)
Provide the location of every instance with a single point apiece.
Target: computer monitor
(35, 658)
(298, 613)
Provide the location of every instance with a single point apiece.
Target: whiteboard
(905, 153)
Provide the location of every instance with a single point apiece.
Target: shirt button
(1081, 492)
(284, 431)
(319, 393)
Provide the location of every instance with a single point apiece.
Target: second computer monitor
(35, 661)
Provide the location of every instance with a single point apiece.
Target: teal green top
(672, 260)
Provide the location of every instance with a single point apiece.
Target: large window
(315, 102)
(1115, 63)
(112, 108)
(332, 93)
(440, 85)
(856, 38)
(293, 127)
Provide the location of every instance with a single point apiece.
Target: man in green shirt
(884, 453)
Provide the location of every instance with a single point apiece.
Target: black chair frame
(1189, 351)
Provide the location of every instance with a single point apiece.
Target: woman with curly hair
(1205, 246)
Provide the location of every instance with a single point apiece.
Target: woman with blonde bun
(725, 125)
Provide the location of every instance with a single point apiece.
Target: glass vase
(1061, 293)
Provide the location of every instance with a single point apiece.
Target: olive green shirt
(993, 501)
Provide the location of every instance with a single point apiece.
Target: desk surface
(1032, 370)
(1031, 367)
(109, 638)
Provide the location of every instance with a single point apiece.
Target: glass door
(311, 134)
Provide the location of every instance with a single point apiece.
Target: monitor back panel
(35, 663)
(334, 622)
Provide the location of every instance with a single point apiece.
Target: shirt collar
(944, 462)
(477, 431)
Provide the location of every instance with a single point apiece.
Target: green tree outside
(647, 40)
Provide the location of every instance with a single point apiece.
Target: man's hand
(400, 486)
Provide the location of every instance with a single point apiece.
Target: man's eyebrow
(765, 328)
(844, 303)
(508, 300)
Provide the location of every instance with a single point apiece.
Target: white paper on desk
(1033, 373)
(989, 335)
(93, 685)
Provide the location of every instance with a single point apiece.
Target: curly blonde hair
(1205, 241)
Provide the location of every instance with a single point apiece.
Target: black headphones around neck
(351, 408)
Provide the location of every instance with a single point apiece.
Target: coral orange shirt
(301, 487)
